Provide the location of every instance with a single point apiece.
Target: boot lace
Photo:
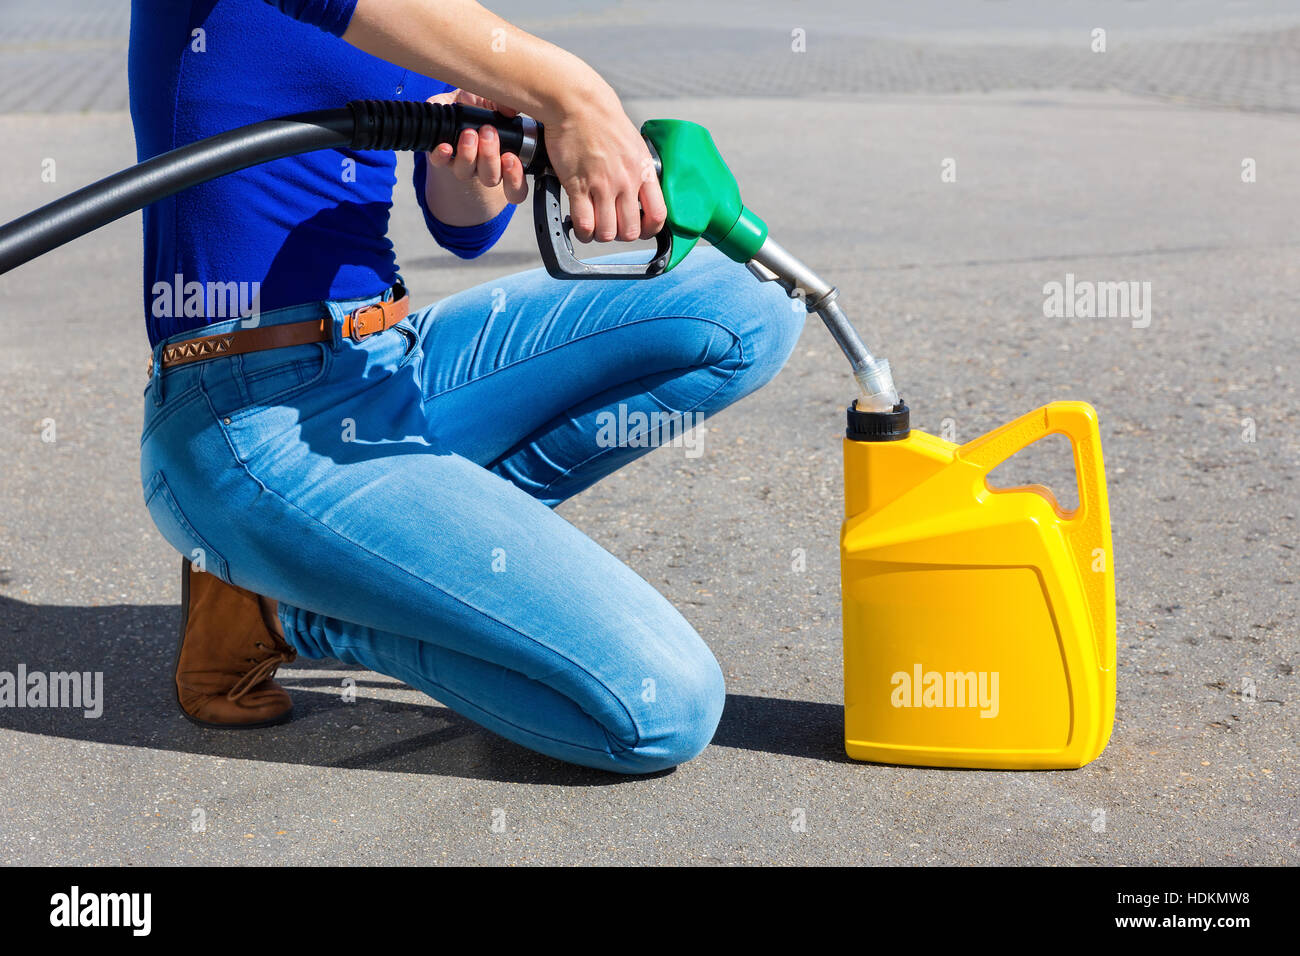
(263, 669)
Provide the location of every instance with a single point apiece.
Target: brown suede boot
(227, 656)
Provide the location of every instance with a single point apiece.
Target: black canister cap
(893, 425)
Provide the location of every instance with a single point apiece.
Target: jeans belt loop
(335, 315)
(155, 378)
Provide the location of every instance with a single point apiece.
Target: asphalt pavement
(1061, 168)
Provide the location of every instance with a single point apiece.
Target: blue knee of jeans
(680, 717)
(764, 319)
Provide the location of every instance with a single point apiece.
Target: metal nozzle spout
(874, 378)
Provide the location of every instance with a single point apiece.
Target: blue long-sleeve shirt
(302, 228)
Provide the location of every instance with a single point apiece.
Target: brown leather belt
(357, 325)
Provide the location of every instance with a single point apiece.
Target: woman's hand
(606, 169)
(477, 158)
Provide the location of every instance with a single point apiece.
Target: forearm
(461, 43)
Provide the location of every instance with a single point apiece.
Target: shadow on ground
(133, 646)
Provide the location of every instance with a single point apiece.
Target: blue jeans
(395, 495)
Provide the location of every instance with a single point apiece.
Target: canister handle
(1087, 528)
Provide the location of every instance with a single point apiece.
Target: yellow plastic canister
(979, 623)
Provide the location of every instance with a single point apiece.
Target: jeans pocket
(412, 341)
(177, 530)
(257, 380)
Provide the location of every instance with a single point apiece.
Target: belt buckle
(358, 331)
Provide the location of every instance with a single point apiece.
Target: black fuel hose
(362, 124)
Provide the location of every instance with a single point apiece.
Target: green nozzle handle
(702, 196)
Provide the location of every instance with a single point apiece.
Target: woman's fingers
(478, 156)
(512, 176)
(441, 156)
(464, 164)
(489, 156)
(653, 210)
(583, 215)
(473, 99)
(602, 216)
(629, 216)
(606, 217)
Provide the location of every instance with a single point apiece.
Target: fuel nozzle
(772, 263)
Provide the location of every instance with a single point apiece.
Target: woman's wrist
(457, 203)
(580, 91)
